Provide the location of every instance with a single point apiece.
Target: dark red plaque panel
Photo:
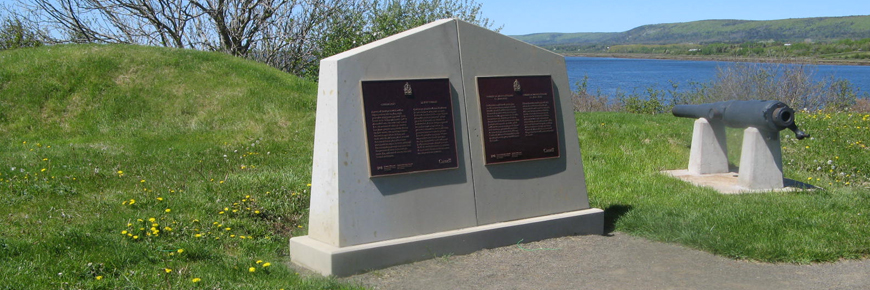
(409, 126)
(519, 118)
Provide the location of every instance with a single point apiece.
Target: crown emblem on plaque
(517, 87)
(408, 90)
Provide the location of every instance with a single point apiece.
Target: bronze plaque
(409, 126)
(519, 118)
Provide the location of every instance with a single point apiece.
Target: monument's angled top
(391, 38)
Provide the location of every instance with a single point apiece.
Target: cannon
(773, 116)
(761, 154)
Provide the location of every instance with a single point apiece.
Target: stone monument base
(330, 260)
(727, 183)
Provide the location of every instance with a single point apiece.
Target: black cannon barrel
(765, 115)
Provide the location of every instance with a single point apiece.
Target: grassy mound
(132, 167)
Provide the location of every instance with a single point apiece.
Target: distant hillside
(710, 31)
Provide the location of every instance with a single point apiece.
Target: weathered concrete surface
(610, 262)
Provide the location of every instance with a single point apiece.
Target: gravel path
(618, 261)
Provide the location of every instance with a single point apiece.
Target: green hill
(710, 31)
(129, 167)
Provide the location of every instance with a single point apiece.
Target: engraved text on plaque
(518, 117)
(409, 126)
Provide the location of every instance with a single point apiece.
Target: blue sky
(524, 17)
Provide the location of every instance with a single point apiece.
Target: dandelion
(180, 251)
(159, 198)
(43, 170)
(309, 185)
(221, 182)
(195, 280)
(259, 261)
(198, 235)
(167, 270)
(252, 269)
(299, 226)
(99, 278)
(151, 220)
(228, 228)
(142, 181)
(266, 264)
(809, 178)
(167, 210)
(123, 232)
(135, 237)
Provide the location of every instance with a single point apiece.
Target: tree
(291, 35)
(16, 34)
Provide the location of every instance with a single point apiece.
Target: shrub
(583, 101)
(14, 34)
(792, 84)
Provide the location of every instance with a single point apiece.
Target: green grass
(623, 154)
(98, 139)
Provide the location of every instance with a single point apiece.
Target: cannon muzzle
(772, 116)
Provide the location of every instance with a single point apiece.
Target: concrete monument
(444, 139)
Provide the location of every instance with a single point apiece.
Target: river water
(610, 76)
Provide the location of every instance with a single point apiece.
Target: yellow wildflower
(195, 280)
(99, 277)
(252, 269)
(168, 210)
(167, 270)
(266, 264)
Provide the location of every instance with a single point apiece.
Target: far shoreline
(795, 60)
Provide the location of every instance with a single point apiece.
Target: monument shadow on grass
(612, 214)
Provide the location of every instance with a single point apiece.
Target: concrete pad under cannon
(727, 183)
(343, 261)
